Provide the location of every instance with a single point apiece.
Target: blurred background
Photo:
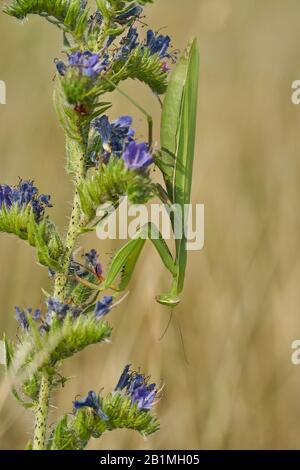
(229, 383)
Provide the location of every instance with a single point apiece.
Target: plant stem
(41, 414)
(41, 411)
(74, 225)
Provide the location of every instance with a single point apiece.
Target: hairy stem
(74, 225)
(41, 411)
(41, 414)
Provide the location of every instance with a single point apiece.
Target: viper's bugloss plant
(106, 161)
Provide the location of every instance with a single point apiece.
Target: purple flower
(56, 307)
(23, 195)
(128, 44)
(92, 259)
(115, 136)
(158, 44)
(136, 386)
(91, 400)
(22, 316)
(103, 306)
(137, 156)
(124, 379)
(89, 64)
(60, 67)
(60, 310)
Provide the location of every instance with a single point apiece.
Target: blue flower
(92, 259)
(124, 379)
(60, 310)
(60, 67)
(158, 44)
(22, 316)
(128, 44)
(136, 386)
(23, 195)
(91, 400)
(115, 136)
(89, 64)
(137, 156)
(103, 306)
(55, 306)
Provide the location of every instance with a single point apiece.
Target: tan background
(240, 308)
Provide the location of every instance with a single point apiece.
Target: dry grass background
(240, 308)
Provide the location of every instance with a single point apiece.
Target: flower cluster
(92, 64)
(154, 44)
(23, 195)
(114, 137)
(158, 44)
(86, 63)
(59, 310)
(136, 386)
(117, 138)
(22, 316)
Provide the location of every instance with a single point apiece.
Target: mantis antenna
(140, 108)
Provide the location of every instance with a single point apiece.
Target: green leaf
(125, 259)
(178, 129)
(185, 157)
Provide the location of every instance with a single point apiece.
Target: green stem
(41, 411)
(41, 414)
(103, 33)
(75, 219)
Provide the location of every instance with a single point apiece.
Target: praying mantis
(175, 161)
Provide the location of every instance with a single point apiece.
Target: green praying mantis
(175, 161)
